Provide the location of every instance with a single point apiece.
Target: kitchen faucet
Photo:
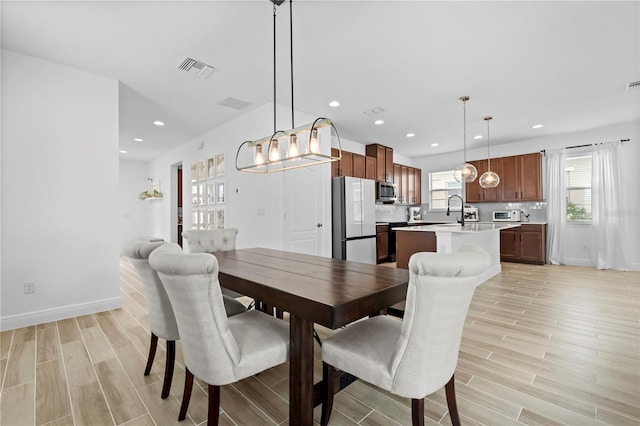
(461, 220)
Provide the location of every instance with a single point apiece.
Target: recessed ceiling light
(334, 104)
(378, 122)
(410, 135)
(477, 137)
(138, 139)
(158, 123)
(122, 151)
(537, 126)
(434, 144)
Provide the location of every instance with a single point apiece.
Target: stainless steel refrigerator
(353, 203)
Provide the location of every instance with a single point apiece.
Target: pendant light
(489, 179)
(466, 172)
(294, 154)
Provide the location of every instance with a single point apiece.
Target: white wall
(578, 241)
(59, 189)
(134, 213)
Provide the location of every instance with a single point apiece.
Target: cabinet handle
(516, 195)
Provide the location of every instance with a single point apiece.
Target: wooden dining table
(312, 289)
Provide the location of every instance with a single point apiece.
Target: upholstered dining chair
(414, 357)
(211, 241)
(217, 349)
(162, 321)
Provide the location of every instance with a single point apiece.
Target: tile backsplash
(537, 212)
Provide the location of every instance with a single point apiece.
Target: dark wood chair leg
(168, 368)
(186, 395)
(417, 412)
(152, 353)
(450, 391)
(328, 372)
(214, 405)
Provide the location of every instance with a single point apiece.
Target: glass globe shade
(466, 173)
(489, 179)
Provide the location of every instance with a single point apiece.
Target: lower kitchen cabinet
(524, 244)
(410, 242)
(382, 243)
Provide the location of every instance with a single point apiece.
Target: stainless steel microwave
(506, 216)
(387, 192)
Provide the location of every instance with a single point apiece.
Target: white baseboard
(576, 261)
(27, 319)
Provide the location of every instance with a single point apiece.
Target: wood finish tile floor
(542, 345)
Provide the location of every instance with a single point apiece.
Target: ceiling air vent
(374, 111)
(204, 70)
(235, 103)
(633, 85)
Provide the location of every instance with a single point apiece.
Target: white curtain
(556, 205)
(608, 227)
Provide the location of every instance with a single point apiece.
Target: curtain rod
(544, 151)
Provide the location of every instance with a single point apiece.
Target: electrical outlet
(29, 287)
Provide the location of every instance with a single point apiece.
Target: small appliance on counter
(414, 214)
(506, 216)
(471, 214)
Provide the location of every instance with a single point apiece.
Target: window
(442, 185)
(578, 191)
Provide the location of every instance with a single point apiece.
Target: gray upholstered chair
(414, 357)
(162, 321)
(211, 241)
(217, 349)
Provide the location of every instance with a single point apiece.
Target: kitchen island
(450, 237)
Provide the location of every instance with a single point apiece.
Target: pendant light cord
(488, 145)
(293, 122)
(274, 67)
(464, 100)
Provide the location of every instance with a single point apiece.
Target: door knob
(319, 225)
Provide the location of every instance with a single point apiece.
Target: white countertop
(469, 227)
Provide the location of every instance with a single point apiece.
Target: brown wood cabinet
(520, 178)
(359, 166)
(476, 193)
(343, 167)
(418, 189)
(370, 167)
(524, 244)
(352, 164)
(384, 161)
(382, 243)
(410, 242)
(409, 181)
(397, 177)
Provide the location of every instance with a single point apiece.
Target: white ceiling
(562, 64)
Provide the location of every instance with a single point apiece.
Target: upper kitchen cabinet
(409, 181)
(370, 167)
(359, 166)
(476, 193)
(520, 178)
(343, 167)
(354, 165)
(384, 159)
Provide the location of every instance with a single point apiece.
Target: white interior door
(304, 199)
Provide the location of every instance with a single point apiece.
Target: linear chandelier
(266, 155)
